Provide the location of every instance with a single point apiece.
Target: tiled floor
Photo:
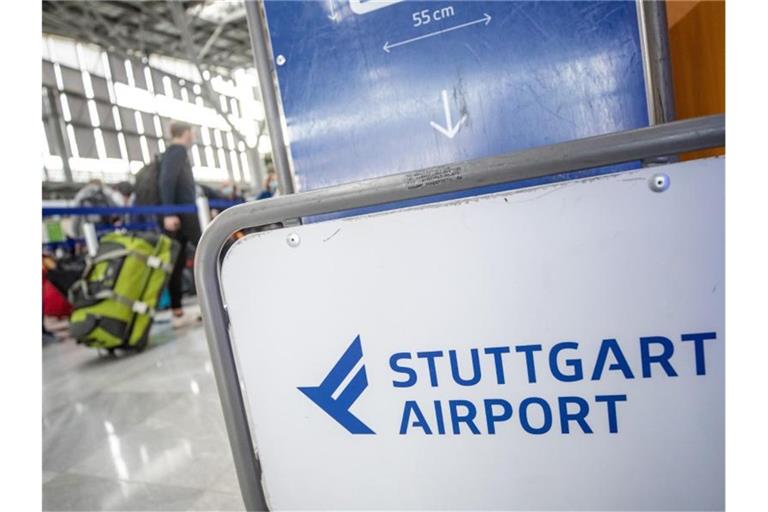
(138, 432)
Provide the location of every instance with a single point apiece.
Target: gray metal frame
(262, 56)
(654, 44)
(632, 145)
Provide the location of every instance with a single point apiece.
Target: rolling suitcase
(114, 302)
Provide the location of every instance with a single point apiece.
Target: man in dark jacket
(177, 186)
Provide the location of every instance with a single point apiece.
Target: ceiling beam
(146, 28)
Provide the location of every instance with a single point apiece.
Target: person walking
(176, 185)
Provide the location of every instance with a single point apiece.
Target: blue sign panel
(371, 88)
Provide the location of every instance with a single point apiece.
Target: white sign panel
(559, 347)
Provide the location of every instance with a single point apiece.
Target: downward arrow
(334, 15)
(449, 130)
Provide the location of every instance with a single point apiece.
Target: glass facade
(115, 113)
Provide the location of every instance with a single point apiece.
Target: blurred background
(116, 73)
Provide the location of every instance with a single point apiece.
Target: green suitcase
(114, 302)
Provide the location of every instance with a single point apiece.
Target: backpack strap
(151, 261)
(136, 306)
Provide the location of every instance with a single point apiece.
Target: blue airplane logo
(338, 408)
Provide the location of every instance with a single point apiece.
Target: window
(72, 80)
(117, 69)
(116, 112)
(104, 111)
(128, 120)
(100, 88)
(111, 143)
(78, 110)
(133, 146)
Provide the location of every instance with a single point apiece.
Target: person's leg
(174, 282)
(190, 227)
(179, 319)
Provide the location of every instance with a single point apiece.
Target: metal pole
(680, 136)
(57, 123)
(587, 153)
(91, 240)
(203, 211)
(262, 55)
(654, 35)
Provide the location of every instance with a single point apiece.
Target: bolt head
(293, 240)
(659, 182)
(280, 59)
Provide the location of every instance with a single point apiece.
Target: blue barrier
(166, 209)
(221, 204)
(131, 226)
(170, 209)
(101, 229)
(69, 243)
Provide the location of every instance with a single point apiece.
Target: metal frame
(654, 44)
(632, 145)
(262, 56)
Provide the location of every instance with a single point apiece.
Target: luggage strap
(136, 306)
(152, 261)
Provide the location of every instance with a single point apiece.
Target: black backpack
(147, 189)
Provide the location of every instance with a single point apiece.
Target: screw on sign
(293, 240)
(659, 182)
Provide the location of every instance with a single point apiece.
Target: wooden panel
(677, 10)
(697, 52)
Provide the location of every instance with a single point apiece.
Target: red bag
(54, 302)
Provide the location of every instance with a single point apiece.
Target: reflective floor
(139, 432)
